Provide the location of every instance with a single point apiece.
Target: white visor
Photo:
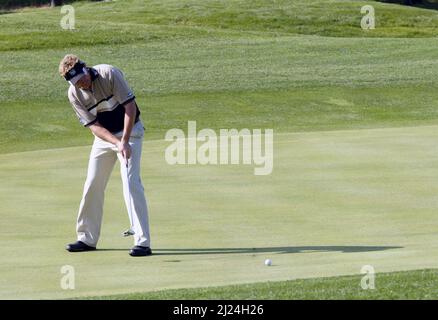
(76, 78)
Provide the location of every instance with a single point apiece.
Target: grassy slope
(130, 21)
(214, 62)
(228, 66)
(421, 284)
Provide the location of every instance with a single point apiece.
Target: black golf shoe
(79, 246)
(138, 251)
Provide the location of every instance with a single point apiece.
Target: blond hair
(67, 63)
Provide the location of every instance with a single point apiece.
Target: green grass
(335, 201)
(216, 62)
(419, 284)
(131, 21)
(293, 110)
(341, 83)
(355, 120)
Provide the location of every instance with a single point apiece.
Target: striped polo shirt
(105, 101)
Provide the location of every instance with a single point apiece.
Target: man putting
(103, 102)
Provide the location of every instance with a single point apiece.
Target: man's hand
(124, 149)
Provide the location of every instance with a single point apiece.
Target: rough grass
(134, 20)
(224, 63)
(419, 284)
(289, 84)
(48, 125)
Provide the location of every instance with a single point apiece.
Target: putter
(130, 231)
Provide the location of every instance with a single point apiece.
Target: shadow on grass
(414, 3)
(278, 250)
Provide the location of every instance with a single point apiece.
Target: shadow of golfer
(276, 250)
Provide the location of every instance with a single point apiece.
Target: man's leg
(139, 212)
(101, 163)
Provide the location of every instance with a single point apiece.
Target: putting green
(335, 201)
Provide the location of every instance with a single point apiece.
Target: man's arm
(124, 95)
(104, 134)
(130, 114)
(123, 143)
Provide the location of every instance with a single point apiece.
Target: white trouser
(102, 160)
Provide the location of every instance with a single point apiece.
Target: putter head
(128, 233)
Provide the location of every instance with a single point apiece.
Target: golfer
(104, 103)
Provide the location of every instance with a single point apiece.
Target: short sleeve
(121, 90)
(86, 118)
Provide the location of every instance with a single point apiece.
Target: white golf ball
(268, 262)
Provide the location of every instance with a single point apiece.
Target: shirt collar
(94, 74)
